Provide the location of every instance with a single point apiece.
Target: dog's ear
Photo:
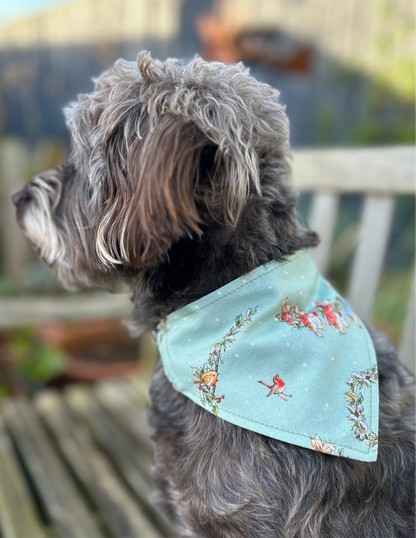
(163, 170)
(170, 181)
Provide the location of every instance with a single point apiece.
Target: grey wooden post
(407, 345)
(368, 261)
(14, 248)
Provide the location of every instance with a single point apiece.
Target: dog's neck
(195, 266)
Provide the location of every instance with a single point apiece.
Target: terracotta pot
(95, 349)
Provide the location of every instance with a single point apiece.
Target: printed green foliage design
(206, 376)
(355, 405)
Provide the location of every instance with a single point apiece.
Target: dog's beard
(38, 222)
(40, 225)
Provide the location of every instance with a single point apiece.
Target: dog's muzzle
(20, 199)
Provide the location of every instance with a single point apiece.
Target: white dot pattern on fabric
(267, 298)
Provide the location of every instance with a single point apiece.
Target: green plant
(35, 361)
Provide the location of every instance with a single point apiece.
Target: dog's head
(160, 151)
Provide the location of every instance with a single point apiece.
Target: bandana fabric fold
(279, 352)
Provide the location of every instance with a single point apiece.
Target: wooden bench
(380, 174)
(76, 464)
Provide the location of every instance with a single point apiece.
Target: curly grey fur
(178, 182)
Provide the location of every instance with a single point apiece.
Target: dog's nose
(17, 196)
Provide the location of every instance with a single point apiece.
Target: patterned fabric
(279, 352)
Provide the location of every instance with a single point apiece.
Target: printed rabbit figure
(334, 317)
(311, 320)
(287, 314)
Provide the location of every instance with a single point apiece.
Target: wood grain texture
(119, 511)
(123, 452)
(58, 494)
(117, 398)
(18, 515)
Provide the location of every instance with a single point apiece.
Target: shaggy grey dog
(178, 182)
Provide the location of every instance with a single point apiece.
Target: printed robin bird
(277, 388)
(209, 378)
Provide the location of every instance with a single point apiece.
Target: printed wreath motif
(207, 375)
(355, 404)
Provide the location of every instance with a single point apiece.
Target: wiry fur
(178, 181)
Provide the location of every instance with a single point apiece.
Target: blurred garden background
(345, 70)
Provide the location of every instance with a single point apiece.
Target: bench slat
(322, 220)
(383, 170)
(125, 402)
(407, 346)
(116, 398)
(15, 312)
(368, 260)
(17, 513)
(59, 496)
(93, 470)
(122, 452)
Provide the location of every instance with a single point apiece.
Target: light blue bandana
(279, 352)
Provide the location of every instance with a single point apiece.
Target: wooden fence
(381, 174)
